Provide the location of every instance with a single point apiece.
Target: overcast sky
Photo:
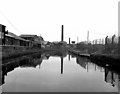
(45, 17)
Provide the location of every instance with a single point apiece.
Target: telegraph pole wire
(13, 26)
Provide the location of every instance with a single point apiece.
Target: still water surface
(57, 73)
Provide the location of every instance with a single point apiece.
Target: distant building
(43, 42)
(12, 39)
(34, 38)
(73, 42)
(41, 38)
(30, 37)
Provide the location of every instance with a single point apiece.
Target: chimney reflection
(61, 65)
(69, 57)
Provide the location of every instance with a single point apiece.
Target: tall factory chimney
(119, 28)
(62, 34)
(69, 40)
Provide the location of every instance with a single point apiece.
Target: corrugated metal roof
(10, 34)
(41, 38)
(28, 35)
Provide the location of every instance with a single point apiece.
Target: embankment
(103, 59)
(8, 52)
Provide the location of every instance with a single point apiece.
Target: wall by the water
(14, 51)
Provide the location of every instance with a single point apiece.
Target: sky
(45, 17)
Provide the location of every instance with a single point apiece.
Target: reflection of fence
(111, 44)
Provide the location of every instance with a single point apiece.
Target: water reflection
(25, 61)
(112, 78)
(69, 57)
(112, 75)
(61, 65)
(89, 71)
(83, 62)
(29, 61)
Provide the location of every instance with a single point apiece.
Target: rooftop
(26, 35)
(10, 34)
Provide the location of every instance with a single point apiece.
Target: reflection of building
(2, 77)
(28, 61)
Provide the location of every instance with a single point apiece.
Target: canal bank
(10, 52)
(79, 53)
(110, 59)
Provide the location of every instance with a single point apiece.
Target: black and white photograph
(60, 46)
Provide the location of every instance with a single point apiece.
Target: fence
(111, 44)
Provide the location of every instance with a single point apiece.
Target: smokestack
(69, 40)
(119, 28)
(119, 18)
(62, 34)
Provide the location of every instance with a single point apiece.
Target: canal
(57, 72)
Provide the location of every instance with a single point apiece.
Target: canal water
(57, 72)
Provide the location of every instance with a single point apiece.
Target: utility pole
(77, 39)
